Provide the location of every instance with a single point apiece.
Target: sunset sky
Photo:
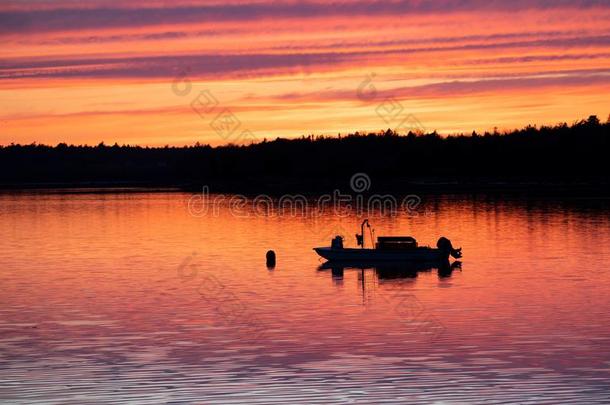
(180, 72)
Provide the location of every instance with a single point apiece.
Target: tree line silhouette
(561, 154)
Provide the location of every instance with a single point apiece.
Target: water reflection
(388, 270)
(95, 305)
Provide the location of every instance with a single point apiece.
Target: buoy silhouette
(270, 259)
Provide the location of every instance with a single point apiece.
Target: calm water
(129, 297)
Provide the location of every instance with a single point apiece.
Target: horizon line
(381, 132)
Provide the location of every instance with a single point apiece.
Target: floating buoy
(270, 258)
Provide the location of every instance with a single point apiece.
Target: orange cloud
(87, 72)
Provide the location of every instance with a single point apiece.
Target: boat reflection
(385, 270)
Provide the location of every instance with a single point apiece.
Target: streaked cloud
(74, 16)
(293, 67)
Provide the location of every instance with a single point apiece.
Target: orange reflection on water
(96, 284)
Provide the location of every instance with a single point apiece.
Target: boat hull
(421, 254)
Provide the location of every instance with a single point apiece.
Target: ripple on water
(95, 308)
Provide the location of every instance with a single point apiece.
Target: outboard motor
(445, 246)
(337, 242)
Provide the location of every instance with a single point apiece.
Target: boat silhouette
(388, 249)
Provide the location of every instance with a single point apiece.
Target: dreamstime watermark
(337, 203)
(411, 312)
(416, 316)
(221, 119)
(233, 312)
(390, 110)
(225, 303)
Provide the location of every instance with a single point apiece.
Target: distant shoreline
(497, 187)
(558, 159)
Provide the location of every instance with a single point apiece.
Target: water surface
(129, 297)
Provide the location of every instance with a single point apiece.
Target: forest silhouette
(561, 155)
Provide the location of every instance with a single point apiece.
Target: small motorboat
(388, 248)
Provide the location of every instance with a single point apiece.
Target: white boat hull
(421, 254)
